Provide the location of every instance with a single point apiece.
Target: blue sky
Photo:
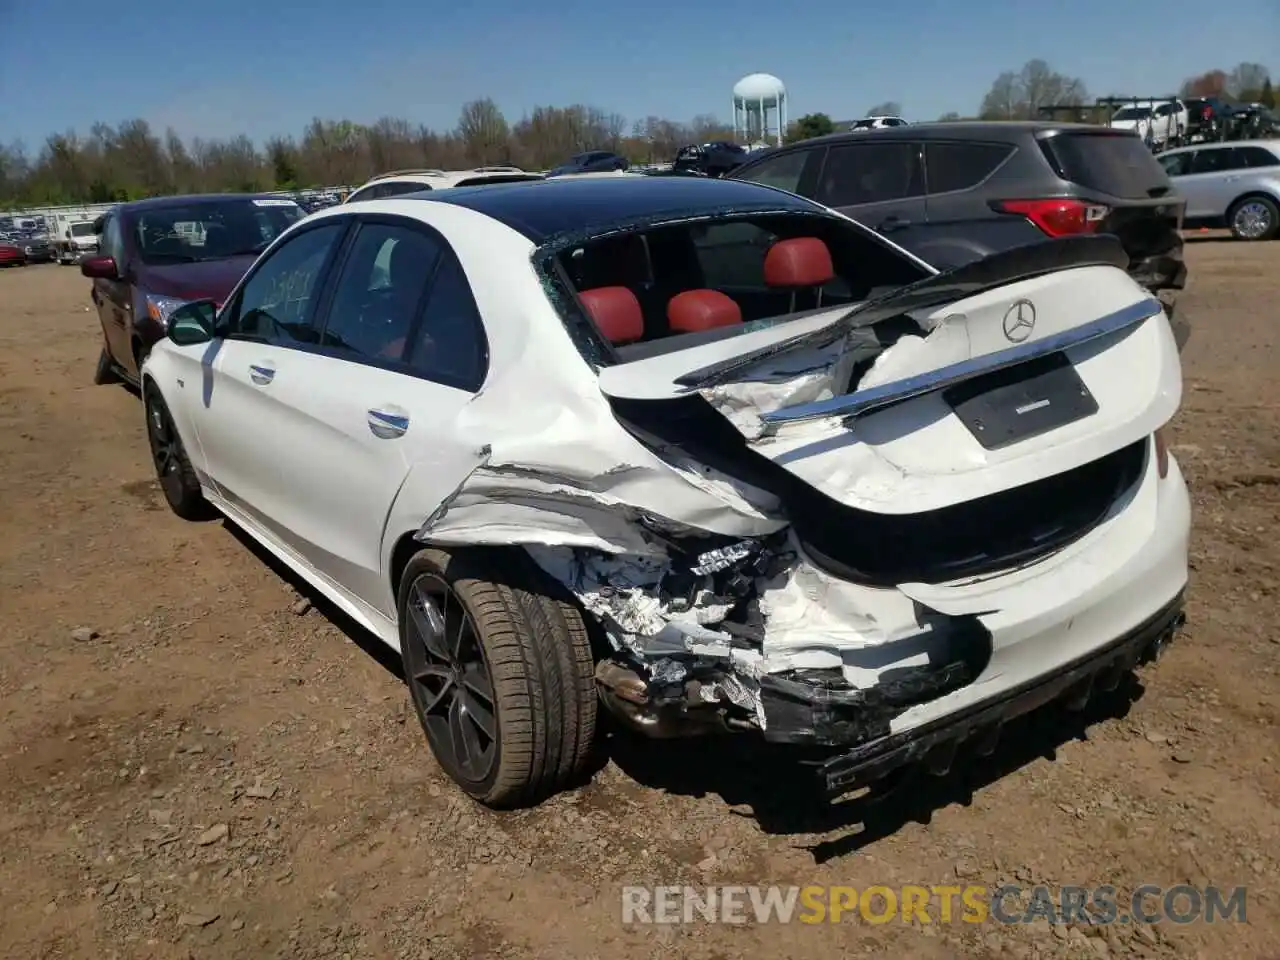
(229, 66)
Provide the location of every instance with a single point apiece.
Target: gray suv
(1235, 185)
(952, 193)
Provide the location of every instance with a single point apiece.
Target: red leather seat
(797, 263)
(696, 310)
(616, 313)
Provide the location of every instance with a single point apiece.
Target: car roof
(545, 209)
(998, 130)
(1270, 144)
(157, 203)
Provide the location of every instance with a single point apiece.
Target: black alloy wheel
(450, 682)
(177, 478)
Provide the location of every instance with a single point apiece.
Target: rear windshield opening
(1116, 163)
(82, 229)
(672, 286)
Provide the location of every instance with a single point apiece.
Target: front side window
(277, 303)
(211, 230)
(113, 239)
(871, 173)
(1177, 164)
(379, 292)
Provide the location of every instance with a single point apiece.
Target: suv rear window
(1115, 163)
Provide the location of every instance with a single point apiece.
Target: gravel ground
(195, 761)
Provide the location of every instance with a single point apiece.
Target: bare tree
(1019, 96)
(484, 133)
(1247, 80)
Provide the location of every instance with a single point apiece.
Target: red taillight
(1057, 217)
(1206, 113)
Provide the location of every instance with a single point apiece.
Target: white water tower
(759, 108)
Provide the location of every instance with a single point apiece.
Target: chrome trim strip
(864, 401)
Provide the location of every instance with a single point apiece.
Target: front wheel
(106, 370)
(500, 673)
(1254, 218)
(173, 467)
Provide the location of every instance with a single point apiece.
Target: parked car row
(705, 452)
(1174, 122)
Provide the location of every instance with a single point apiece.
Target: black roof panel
(544, 209)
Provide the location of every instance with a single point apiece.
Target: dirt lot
(194, 763)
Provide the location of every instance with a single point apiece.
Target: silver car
(1235, 185)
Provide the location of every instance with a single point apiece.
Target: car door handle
(893, 223)
(388, 424)
(261, 374)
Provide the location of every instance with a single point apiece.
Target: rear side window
(959, 166)
(449, 344)
(1257, 157)
(871, 173)
(783, 172)
(401, 186)
(1118, 164)
(495, 178)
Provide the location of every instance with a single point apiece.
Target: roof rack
(430, 172)
(498, 169)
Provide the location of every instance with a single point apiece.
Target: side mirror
(193, 323)
(100, 268)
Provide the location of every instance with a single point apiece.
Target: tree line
(132, 160)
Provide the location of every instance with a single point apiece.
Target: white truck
(1161, 123)
(73, 237)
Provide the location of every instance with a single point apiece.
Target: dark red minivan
(159, 253)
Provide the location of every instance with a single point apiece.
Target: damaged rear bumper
(937, 742)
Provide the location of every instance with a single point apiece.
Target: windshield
(1132, 113)
(702, 279)
(212, 229)
(84, 229)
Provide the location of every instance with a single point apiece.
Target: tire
(1254, 218)
(106, 371)
(173, 467)
(534, 648)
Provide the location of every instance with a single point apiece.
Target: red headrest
(798, 262)
(696, 310)
(616, 311)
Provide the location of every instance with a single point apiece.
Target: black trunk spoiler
(996, 270)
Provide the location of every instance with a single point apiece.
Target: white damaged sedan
(700, 451)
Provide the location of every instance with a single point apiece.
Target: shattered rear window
(669, 285)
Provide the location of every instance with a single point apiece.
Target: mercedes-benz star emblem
(1019, 321)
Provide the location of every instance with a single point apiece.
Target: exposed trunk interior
(974, 538)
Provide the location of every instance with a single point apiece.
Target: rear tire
(173, 468)
(531, 717)
(1254, 218)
